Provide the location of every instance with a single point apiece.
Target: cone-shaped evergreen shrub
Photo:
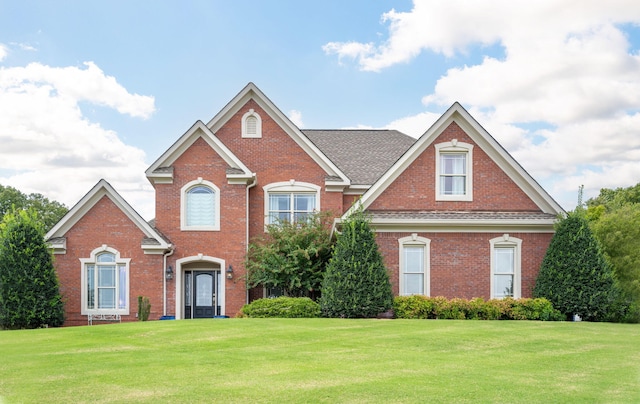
(356, 283)
(29, 292)
(575, 276)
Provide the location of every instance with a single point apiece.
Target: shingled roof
(362, 154)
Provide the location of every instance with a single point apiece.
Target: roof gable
(161, 171)
(335, 176)
(153, 242)
(456, 113)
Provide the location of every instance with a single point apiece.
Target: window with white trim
(105, 282)
(414, 265)
(251, 125)
(290, 201)
(505, 267)
(454, 171)
(200, 200)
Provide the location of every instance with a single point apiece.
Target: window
(454, 176)
(105, 282)
(290, 201)
(505, 267)
(200, 206)
(251, 125)
(414, 265)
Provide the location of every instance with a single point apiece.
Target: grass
(323, 360)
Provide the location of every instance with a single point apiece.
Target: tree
(574, 275)
(356, 283)
(291, 256)
(49, 212)
(29, 291)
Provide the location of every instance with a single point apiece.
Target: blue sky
(92, 90)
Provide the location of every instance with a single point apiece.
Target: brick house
(455, 214)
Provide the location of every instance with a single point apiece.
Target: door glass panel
(204, 289)
(187, 289)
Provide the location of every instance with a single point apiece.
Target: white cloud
(4, 51)
(50, 147)
(296, 117)
(567, 67)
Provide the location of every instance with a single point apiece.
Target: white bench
(103, 317)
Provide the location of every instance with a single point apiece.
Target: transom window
(105, 282)
(454, 176)
(414, 265)
(290, 201)
(505, 267)
(200, 206)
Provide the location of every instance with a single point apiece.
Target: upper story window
(200, 206)
(454, 171)
(414, 265)
(105, 282)
(251, 125)
(290, 201)
(505, 267)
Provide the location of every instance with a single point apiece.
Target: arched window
(200, 206)
(251, 125)
(105, 282)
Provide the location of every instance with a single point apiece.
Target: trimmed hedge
(423, 307)
(283, 306)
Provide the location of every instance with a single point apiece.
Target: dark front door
(200, 294)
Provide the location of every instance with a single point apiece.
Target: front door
(200, 291)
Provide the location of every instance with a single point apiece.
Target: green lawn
(323, 360)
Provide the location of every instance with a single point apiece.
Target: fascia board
(251, 91)
(197, 130)
(101, 189)
(456, 113)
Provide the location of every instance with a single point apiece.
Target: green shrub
(574, 275)
(423, 307)
(283, 306)
(29, 291)
(356, 283)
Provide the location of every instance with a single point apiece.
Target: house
(455, 214)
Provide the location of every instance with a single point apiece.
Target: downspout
(253, 184)
(164, 279)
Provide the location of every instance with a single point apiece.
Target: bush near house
(424, 307)
(29, 291)
(283, 306)
(575, 275)
(356, 283)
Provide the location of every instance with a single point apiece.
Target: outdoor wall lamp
(169, 273)
(230, 272)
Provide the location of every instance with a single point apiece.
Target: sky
(92, 90)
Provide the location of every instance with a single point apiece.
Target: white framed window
(105, 282)
(414, 265)
(251, 125)
(454, 171)
(200, 206)
(506, 267)
(290, 201)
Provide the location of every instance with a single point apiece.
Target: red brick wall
(461, 262)
(228, 244)
(493, 190)
(106, 224)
